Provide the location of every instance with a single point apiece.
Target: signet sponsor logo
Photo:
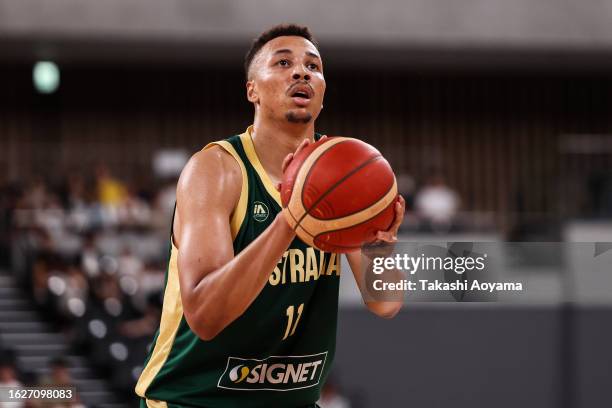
(275, 373)
(260, 211)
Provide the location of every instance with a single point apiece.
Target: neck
(273, 142)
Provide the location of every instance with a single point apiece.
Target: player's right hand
(290, 156)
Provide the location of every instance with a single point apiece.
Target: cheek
(271, 89)
(320, 87)
(320, 92)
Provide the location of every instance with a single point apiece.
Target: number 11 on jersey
(290, 318)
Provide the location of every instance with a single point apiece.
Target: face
(286, 80)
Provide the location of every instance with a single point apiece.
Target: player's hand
(390, 235)
(289, 158)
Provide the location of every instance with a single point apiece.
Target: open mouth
(301, 91)
(300, 94)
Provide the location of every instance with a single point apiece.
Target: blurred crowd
(58, 377)
(92, 252)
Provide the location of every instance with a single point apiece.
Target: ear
(251, 89)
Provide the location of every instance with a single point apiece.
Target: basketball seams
(312, 165)
(303, 173)
(314, 238)
(383, 202)
(295, 204)
(338, 183)
(299, 169)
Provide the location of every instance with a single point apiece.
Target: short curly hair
(280, 30)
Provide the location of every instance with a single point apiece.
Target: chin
(298, 116)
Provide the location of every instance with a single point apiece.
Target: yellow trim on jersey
(239, 212)
(249, 148)
(156, 404)
(172, 313)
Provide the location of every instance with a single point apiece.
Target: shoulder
(212, 160)
(211, 171)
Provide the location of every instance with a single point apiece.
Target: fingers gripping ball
(338, 193)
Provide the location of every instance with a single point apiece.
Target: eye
(313, 66)
(283, 63)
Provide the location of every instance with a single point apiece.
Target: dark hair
(59, 362)
(280, 30)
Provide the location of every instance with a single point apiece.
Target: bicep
(207, 192)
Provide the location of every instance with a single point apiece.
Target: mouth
(301, 94)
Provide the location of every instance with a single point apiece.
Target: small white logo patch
(260, 211)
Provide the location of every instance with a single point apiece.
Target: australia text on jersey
(297, 266)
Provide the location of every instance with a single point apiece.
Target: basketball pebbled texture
(338, 193)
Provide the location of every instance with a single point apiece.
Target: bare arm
(380, 308)
(216, 286)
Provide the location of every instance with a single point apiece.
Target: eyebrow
(288, 51)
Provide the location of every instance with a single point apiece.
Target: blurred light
(57, 286)
(109, 264)
(136, 371)
(119, 351)
(91, 265)
(97, 328)
(113, 306)
(169, 162)
(76, 307)
(46, 77)
(128, 285)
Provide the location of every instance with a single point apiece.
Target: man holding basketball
(243, 324)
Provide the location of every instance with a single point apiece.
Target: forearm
(224, 294)
(382, 308)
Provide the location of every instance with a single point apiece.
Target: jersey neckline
(249, 149)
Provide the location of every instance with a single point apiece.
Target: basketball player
(249, 315)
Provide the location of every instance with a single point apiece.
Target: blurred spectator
(108, 294)
(36, 194)
(436, 203)
(111, 192)
(129, 264)
(8, 377)
(145, 326)
(166, 198)
(133, 210)
(76, 194)
(59, 376)
(77, 288)
(89, 257)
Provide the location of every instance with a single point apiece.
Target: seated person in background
(59, 377)
(436, 203)
(8, 377)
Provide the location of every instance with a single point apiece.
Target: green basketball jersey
(279, 352)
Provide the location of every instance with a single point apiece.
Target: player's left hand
(390, 235)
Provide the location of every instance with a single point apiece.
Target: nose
(299, 74)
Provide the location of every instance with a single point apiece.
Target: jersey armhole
(239, 211)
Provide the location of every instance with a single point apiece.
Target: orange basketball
(337, 193)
